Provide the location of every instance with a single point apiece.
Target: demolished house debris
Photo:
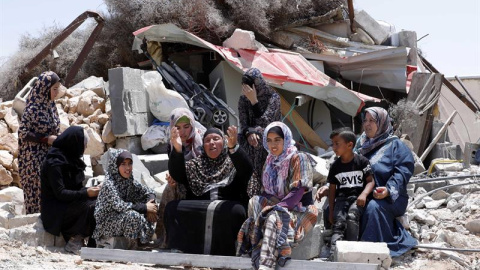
(326, 69)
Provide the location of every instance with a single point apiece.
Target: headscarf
(193, 145)
(276, 167)
(261, 85)
(41, 115)
(68, 149)
(124, 155)
(205, 174)
(384, 131)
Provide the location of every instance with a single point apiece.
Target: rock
(5, 177)
(434, 204)
(443, 214)
(362, 36)
(424, 217)
(242, 39)
(74, 92)
(107, 133)
(103, 119)
(455, 196)
(420, 191)
(96, 84)
(11, 117)
(94, 116)
(3, 128)
(89, 103)
(73, 104)
(95, 146)
(6, 159)
(2, 113)
(15, 165)
(64, 122)
(9, 142)
(411, 190)
(473, 226)
(453, 205)
(16, 179)
(363, 252)
(439, 195)
(459, 240)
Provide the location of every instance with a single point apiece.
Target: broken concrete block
(90, 102)
(371, 26)
(13, 195)
(92, 83)
(310, 246)
(473, 226)
(64, 122)
(440, 195)
(161, 177)
(129, 101)
(411, 190)
(423, 217)
(4, 218)
(16, 179)
(5, 176)
(74, 92)
(434, 204)
(155, 163)
(242, 39)
(363, 252)
(6, 159)
(131, 143)
(113, 243)
(107, 133)
(362, 36)
(159, 192)
(103, 119)
(22, 220)
(32, 235)
(336, 28)
(88, 169)
(73, 104)
(409, 39)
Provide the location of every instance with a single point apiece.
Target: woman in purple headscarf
(392, 165)
(39, 127)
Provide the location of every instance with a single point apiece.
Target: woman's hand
(51, 139)
(361, 200)
(170, 180)
(151, 207)
(175, 140)
(321, 192)
(380, 193)
(250, 93)
(92, 192)
(232, 133)
(253, 139)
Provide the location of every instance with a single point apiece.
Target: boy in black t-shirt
(351, 181)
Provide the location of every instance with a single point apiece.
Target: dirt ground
(15, 255)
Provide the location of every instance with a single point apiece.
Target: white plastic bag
(161, 100)
(155, 135)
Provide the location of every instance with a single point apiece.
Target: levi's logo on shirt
(351, 179)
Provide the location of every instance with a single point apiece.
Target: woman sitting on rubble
(124, 206)
(392, 165)
(39, 127)
(278, 219)
(257, 107)
(208, 220)
(190, 132)
(66, 206)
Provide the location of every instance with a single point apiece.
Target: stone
(103, 119)
(453, 205)
(3, 128)
(423, 217)
(155, 163)
(93, 83)
(460, 240)
(442, 214)
(161, 177)
(107, 134)
(440, 195)
(6, 159)
(434, 204)
(32, 236)
(473, 226)
(15, 165)
(455, 196)
(94, 116)
(74, 92)
(147, 180)
(113, 243)
(95, 146)
(363, 252)
(88, 169)
(411, 190)
(9, 142)
(129, 102)
(13, 195)
(89, 102)
(16, 179)
(420, 191)
(22, 220)
(159, 192)
(429, 186)
(310, 246)
(5, 177)
(243, 39)
(64, 122)
(364, 21)
(73, 104)
(2, 114)
(11, 117)
(362, 36)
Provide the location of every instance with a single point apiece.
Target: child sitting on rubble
(124, 206)
(351, 181)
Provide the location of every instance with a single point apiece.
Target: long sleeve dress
(39, 120)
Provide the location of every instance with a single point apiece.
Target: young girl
(124, 206)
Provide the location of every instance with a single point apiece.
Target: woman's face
(370, 125)
(54, 90)
(184, 130)
(274, 143)
(125, 169)
(213, 145)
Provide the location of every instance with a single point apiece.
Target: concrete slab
(310, 247)
(371, 26)
(132, 144)
(155, 163)
(363, 252)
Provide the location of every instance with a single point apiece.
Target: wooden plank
(228, 262)
(307, 132)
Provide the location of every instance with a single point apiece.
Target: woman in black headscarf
(208, 220)
(66, 206)
(257, 107)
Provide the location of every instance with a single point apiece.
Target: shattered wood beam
(438, 136)
(307, 132)
(226, 262)
(351, 15)
(449, 85)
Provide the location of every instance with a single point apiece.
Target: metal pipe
(466, 91)
(451, 249)
(351, 14)
(419, 199)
